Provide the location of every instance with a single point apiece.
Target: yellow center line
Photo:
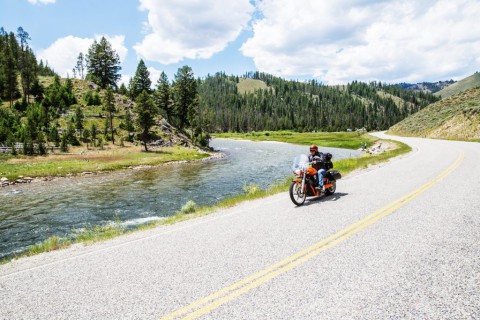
(229, 293)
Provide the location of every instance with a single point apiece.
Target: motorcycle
(305, 180)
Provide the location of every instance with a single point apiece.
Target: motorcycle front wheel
(296, 194)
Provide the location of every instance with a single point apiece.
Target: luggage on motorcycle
(328, 161)
(333, 175)
(328, 165)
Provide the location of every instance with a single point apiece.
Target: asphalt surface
(418, 259)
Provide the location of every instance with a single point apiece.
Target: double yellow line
(207, 304)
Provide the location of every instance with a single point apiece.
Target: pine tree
(141, 81)
(80, 66)
(23, 36)
(103, 64)
(28, 72)
(163, 96)
(93, 131)
(79, 117)
(128, 124)
(10, 71)
(109, 104)
(123, 90)
(185, 91)
(146, 112)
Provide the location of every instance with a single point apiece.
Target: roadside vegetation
(191, 210)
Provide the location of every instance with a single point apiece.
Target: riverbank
(83, 162)
(191, 210)
(344, 140)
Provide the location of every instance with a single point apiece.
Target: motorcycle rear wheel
(296, 195)
(332, 189)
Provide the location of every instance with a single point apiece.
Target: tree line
(303, 106)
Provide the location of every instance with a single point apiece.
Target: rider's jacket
(319, 160)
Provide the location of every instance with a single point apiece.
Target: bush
(92, 99)
(251, 189)
(189, 207)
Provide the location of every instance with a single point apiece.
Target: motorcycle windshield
(300, 162)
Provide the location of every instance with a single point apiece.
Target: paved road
(399, 241)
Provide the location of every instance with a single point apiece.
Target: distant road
(398, 241)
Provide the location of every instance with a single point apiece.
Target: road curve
(401, 240)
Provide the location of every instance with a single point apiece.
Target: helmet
(313, 147)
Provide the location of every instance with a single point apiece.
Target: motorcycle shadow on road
(324, 198)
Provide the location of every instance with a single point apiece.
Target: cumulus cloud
(343, 40)
(41, 1)
(191, 29)
(63, 53)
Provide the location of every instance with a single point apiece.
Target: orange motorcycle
(305, 180)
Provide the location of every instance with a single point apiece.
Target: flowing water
(32, 213)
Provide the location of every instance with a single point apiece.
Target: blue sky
(331, 41)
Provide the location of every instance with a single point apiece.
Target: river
(32, 213)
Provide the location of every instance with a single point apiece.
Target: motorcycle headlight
(298, 172)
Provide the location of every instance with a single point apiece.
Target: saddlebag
(333, 175)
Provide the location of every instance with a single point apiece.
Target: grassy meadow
(345, 140)
(83, 160)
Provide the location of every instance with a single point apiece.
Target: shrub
(251, 189)
(189, 207)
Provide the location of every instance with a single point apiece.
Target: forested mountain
(303, 106)
(429, 87)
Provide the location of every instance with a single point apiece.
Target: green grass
(191, 210)
(346, 140)
(462, 85)
(98, 233)
(250, 85)
(91, 161)
(87, 236)
(52, 243)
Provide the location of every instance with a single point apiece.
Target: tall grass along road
(400, 241)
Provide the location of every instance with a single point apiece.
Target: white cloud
(63, 53)
(154, 75)
(41, 1)
(389, 40)
(191, 29)
(125, 79)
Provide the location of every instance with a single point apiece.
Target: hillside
(456, 117)
(462, 85)
(428, 87)
(260, 101)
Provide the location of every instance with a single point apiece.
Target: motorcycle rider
(319, 163)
